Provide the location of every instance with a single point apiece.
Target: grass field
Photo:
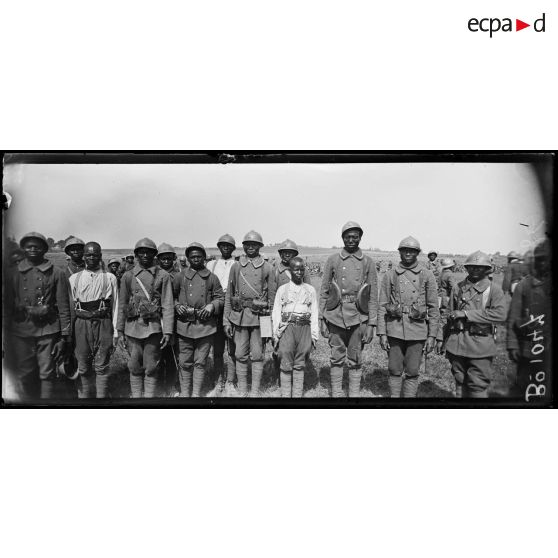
(436, 381)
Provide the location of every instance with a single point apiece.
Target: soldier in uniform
(530, 321)
(408, 318)
(476, 305)
(348, 308)
(15, 257)
(250, 293)
(198, 298)
(74, 249)
(295, 327)
(95, 299)
(183, 262)
(37, 318)
(145, 318)
(221, 267)
(128, 264)
(432, 263)
(446, 283)
(166, 257)
(515, 271)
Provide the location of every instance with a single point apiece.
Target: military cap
(114, 260)
(130, 255)
(409, 242)
(288, 245)
(478, 258)
(446, 263)
(73, 241)
(253, 236)
(351, 225)
(513, 255)
(165, 249)
(226, 239)
(432, 252)
(145, 243)
(36, 236)
(195, 245)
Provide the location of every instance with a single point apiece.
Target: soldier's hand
(165, 340)
(324, 330)
(59, 349)
(368, 335)
(440, 349)
(384, 343)
(206, 311)
(513, 354)
(180, 309)
(429, 345)
(457, 314)
(122, 343)
(228, 331)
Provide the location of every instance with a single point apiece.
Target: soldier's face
(226, 250)
(92, 257)
(251, 249)
(408, 255)
(287, 256)
(145, 256)
(196, 259)
(432, 257)
(113, 268)
(130, 259)
(34, 250)
(183, 263)
(351, 240)
(297, 271)
(476, 272)
(76, 252)
(166, 261)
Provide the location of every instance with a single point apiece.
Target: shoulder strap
(143, 288)
(248, 283)
(76, 285)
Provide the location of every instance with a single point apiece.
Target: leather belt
(301, 319)
(348, 298)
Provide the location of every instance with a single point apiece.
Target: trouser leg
(84, 346)
(298, 383)
(219, 344)
(396, 364)
(47, 366)
(186, 350)
(202, 347)
(151, 364)
(354, 356)
(285, 356)
(458, 369)
(135, 366)
(26, 369)
(413, 356)
(242, 354)
(338, 340)
(479, 376)
(303, 347)
(231, 362)
(256, 356)
(286, 383)
(101, 361)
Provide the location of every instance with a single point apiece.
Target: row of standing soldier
(159, 309)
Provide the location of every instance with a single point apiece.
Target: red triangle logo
(519, 25)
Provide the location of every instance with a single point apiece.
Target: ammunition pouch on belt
(394, 310)
(259, 306)
(236, 303)
(301, 319)
(149, 311)
(334, 296)
(189, 316)
(41, 314)
(94, 310)
(363, 298)
(480, 330)
(417, 313)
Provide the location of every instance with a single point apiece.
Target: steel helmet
(542, 249)
(478, 258)
(73, 241)
(446, 263)
(226, 239)
(409, 242)
(432, 252)
(513, 255)
(36, 236)
(253, 236)
(114, 260)
(351, 225)
(288, 245)
(165, 249)
(193, 245)
(145, 243)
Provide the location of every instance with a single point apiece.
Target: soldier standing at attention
(114, 268)
(515, 271)
(249, 296)
(348, 308)
(37, 317)
(530, 320)
(128, 264)
(145, 318)
(432, 263)
(95, 299)
(295, 327)
(198, 298)
(166, 256)
(74, 249)
(222, 268)
(408, 318)
(476, 305)
(183, 262)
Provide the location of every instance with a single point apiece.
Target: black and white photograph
(234, 278)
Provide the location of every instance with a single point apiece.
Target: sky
(450, 207)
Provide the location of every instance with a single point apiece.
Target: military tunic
(514, 272)
(282, 275)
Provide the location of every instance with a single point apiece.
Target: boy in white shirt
(295, 328)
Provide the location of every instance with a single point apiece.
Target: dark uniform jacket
(282, 275)
(530, 311)
(31, 286)
(446, 283)
(484, 302)
(72, 268)
(156, 281)
(350, 272)
(259, 274)
(196, 289)
(408, 286)
(512, 275)
(434, 267)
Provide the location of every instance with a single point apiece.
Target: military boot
(336, 374)
(355, 375)
(410, 386)
(257, 371)
(395, 383)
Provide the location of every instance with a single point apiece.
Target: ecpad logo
(492, 25)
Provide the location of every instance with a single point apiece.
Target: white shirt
(94, 285)
(298, 299)
(221, 268)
